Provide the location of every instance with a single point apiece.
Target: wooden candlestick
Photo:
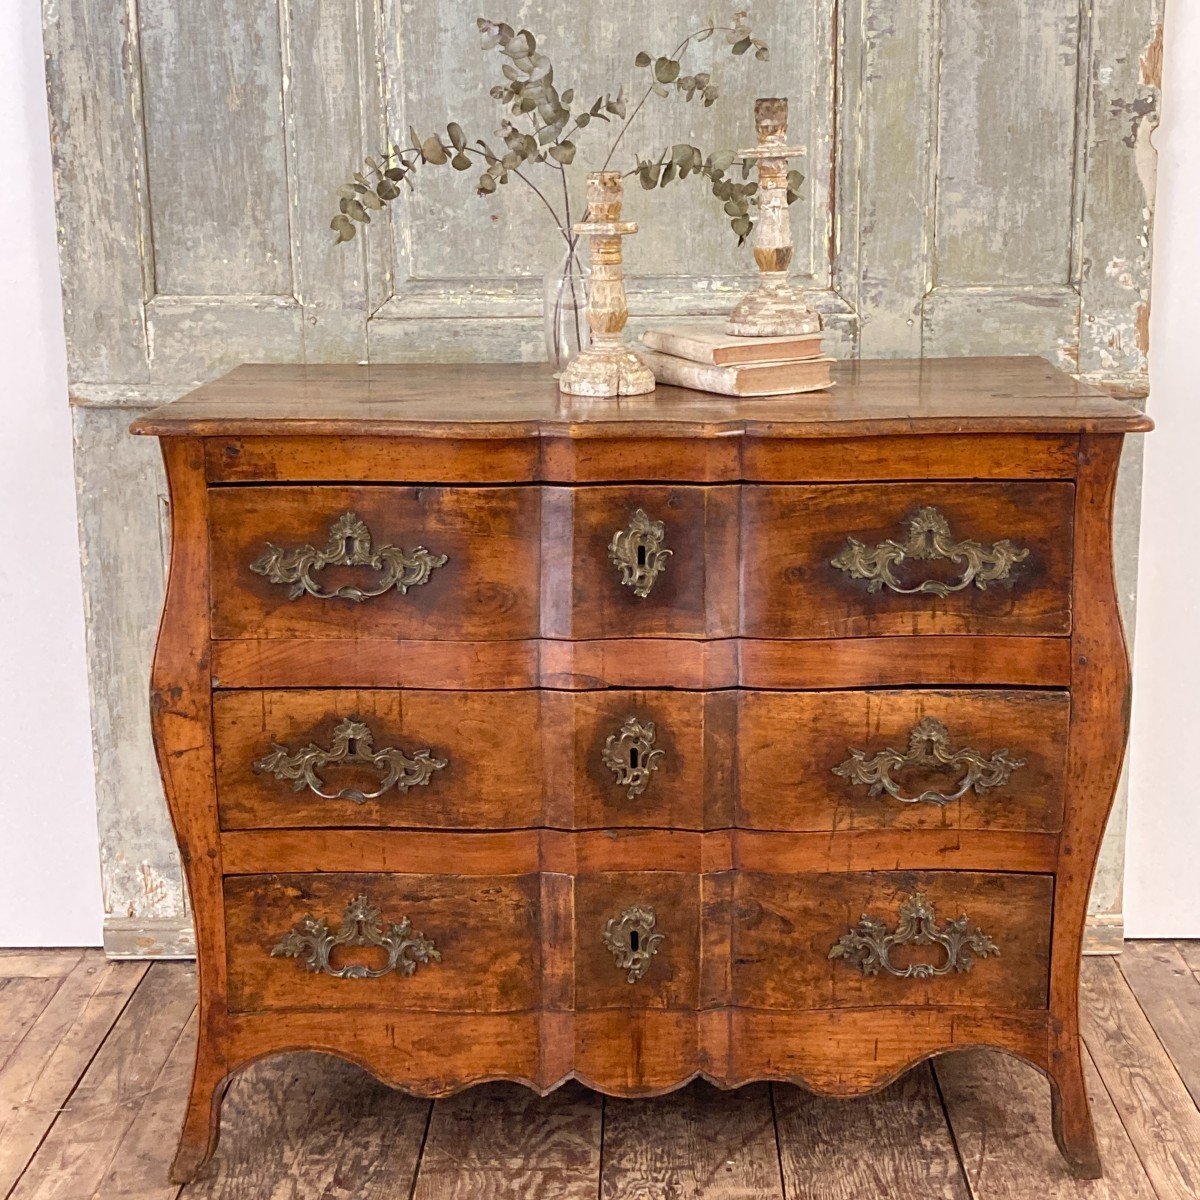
(774, 308)
(607, 367)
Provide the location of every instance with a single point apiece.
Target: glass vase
(564, 305)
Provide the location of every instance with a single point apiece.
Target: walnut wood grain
(785, 925)
(790, 588)
(760, 664)
(485, 928)
(648, 662)
(488, 400)
(487, 589)
(789, 744)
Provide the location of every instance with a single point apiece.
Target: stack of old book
(701, 355)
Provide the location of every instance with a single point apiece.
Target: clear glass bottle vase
(564, 305)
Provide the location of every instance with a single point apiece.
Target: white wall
(49, 877)
(1162, 885)
(49, 866)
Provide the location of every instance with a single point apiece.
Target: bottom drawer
(443, 943)
(903, 937)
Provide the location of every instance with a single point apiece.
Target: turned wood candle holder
(775, 308)
(607, 367)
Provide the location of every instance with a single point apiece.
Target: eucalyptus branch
(549, 125)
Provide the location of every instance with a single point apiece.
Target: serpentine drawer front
(513, 736)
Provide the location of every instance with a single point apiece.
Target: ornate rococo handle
(868, 945)
(631, 938)
(928, 746)
(639, 554)
(350, 545)
(631, 756)
(929, 538)
(354, 743)
(313, 942)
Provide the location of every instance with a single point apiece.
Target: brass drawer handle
(353, 742)
(631, 938)
(313, 942)
(869, 945)
(929, 746)
(928, 538)
(631, 756)
(639, 554)
(350, 545)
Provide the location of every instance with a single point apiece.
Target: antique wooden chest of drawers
(513, 736)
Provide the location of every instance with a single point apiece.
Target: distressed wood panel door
(979, 180)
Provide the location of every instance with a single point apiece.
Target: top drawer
(879, 559)
(346, 562)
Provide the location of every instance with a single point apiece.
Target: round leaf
(563, 152)
(666, 70)
(642, 60)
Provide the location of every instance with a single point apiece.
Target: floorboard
(95, 1058)
(1169, 995)
(895, 1144)
(47, 1065)
(999, 1111)
(86, 1134)
(698, 1144)
(313, 1127)
(1190, 950)
(502, 1140)
(1155, 1108)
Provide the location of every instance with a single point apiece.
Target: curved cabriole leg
(202, 1118)
(1071, 1115)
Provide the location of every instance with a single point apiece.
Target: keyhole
(348, 551)
(634, 940)
(641, 555)
(352, 746)
(633, 758)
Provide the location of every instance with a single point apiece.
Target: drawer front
(861, 560)
(902, 760)
(854, 941)
(457, 564)
(441, 943)
(473, 760)
(641, 561)
(423, 759)
(637, 940)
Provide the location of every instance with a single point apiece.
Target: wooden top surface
(485, 400)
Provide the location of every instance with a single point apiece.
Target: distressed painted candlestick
(607, 367)
(774, 308)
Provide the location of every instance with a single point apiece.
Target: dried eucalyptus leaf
(455, 134)
(372, 201)
(396, 173)
(385, 189)
(568, 96)
(343, 227)
(433, 151)
(563, 152)
(795, 180)
(659, 90)
(460, 162)
(666, 70)
(642, 59)
(723, 159)
(704, 34)
(742, 46)
(648, 177)
(414, 138)
(734, 208)
(509, 71)
(762, 54)
(356, 212)
(741, 226)
(668, 174)
(486, 184)
(581, 121)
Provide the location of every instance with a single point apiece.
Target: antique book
(705, 342)
(747, 379)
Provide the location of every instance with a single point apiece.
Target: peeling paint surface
(980, 181)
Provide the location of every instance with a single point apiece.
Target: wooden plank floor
(95, 1057)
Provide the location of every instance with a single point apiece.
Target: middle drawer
(802, 761)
